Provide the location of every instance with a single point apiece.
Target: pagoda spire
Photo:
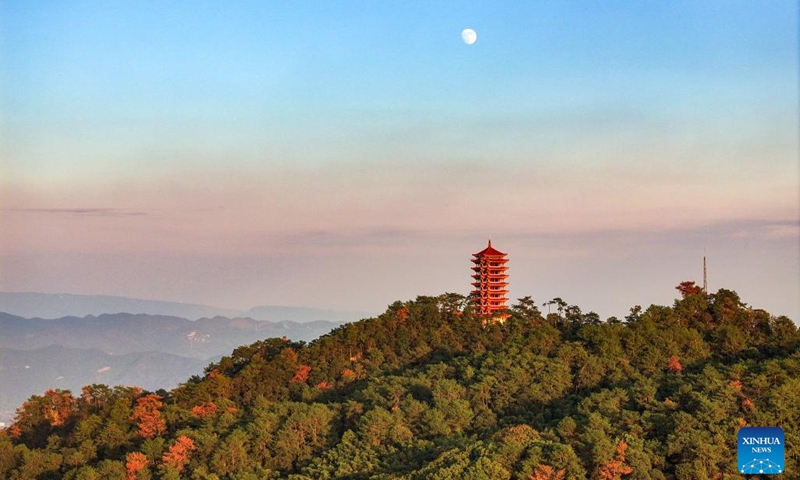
(490, 285)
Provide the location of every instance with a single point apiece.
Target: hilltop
(428, 390)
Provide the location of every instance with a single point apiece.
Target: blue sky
(250, 152)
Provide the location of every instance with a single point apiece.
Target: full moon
(469, 36)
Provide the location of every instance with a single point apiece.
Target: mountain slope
(427, 390)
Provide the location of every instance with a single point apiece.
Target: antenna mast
(705, 276)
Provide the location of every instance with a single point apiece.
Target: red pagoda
(491, 288)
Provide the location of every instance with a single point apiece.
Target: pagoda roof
(489, 251)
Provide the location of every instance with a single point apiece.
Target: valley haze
(150, 351)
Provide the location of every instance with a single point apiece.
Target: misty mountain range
(151, 350)
(48, 305)
(27, 372)
(123, 333)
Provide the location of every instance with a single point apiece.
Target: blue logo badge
(761, 450)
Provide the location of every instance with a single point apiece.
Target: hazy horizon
(348, 156)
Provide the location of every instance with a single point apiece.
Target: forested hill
(427, 391)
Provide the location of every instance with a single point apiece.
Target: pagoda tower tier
(491, 287)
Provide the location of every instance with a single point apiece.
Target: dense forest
(427, 390)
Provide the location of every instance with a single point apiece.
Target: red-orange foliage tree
(689, 288)
(402, 314)
(301, 373)
(134, 462)
(615, 468)
(674, 364)
(205, 409)
(61, 404)
(147, 415)
(546, 472)
(178, 454)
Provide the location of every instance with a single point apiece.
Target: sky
(351, 154)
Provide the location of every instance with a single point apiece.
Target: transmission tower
(705, 275)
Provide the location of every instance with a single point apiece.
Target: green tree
(232, 456)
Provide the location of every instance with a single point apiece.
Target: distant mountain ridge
(48, 305)
(151, 351)
(123, 333)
